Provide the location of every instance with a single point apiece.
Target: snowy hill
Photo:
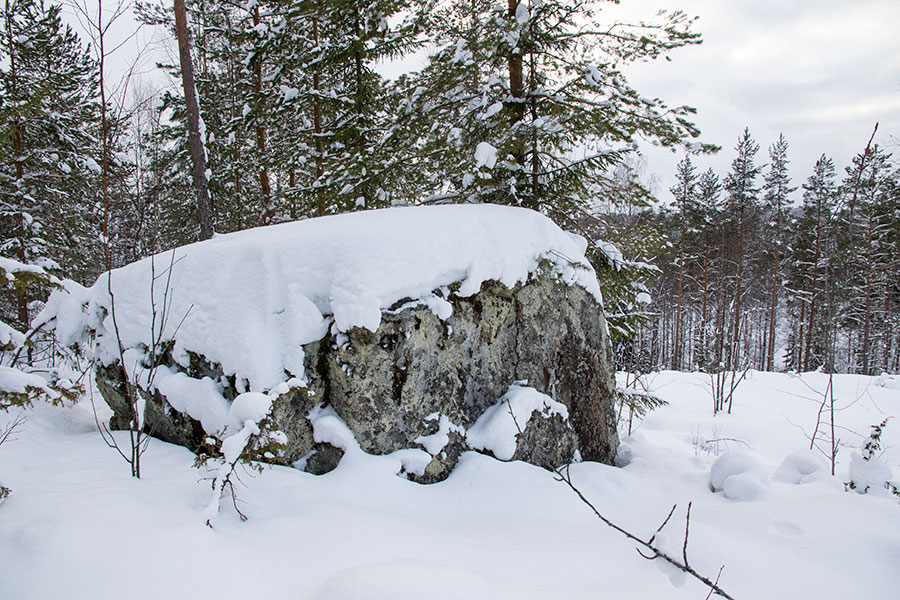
(77, 526)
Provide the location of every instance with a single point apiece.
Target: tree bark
(815, 284)
(264, 183)
(773, 306)
(317, 129)
(21, 293)
(198, 151)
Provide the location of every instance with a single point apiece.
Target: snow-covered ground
(78, 526)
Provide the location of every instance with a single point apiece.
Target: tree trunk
(773, 306)
(867, 318)
(735, 357)
(676, 355)
(21, 293)
(317, 129)
(516, 106)
(814, 292)
(198, 151)
(264, 184)
(705, 358)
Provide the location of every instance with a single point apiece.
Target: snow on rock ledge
(390, 317)
(249, 300)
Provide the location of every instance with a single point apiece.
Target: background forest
(521, 103)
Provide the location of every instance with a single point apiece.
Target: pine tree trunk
(264, 184)
(800, 335)
(676, 355)
(814, 291)
(735, 357)
(773, 306)
(516, 106)
(867, 317)
(21, 293)
(198, 151)
(317, 129)
(705, 358)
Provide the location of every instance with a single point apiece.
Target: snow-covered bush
(868, 473)
(21, 384)
(738, 475)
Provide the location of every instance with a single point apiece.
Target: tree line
(763, 273)
(288, 116)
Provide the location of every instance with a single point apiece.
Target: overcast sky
(820, 72)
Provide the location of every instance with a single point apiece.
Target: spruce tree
(48, 136)
(525, 103)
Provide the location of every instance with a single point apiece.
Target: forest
(527, 104)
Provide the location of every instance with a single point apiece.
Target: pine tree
(777, 188)
(742, 202)
(709, 191)
(525, 104)
(684, 192)
(868, 191)
(811, 267)
(48, 137)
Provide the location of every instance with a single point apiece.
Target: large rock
(391, 386)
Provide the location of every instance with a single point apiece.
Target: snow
(803, 466)
(497, 428)
(436, 442)
(869, 475)
(248, 301)
(15, 381)
(485, 156)
(492, 110)
(10, 336)
(522, 14)
(77, 526)
(738, 475)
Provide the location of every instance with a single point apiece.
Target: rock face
(392, 386)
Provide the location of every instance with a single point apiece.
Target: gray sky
(820, 72)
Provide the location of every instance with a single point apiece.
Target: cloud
(820, 72)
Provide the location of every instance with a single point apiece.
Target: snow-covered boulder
(409, 322)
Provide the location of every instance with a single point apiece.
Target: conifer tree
(526, 104)
(684, 192)
(812, 265)
(741, 201)
(48, 133)
(776, 189)
(709, 192)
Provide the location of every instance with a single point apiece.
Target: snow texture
(801, 467)
(738, 475)
(498, 427)
(15, 381)
(869, 475)
(485, 156)
(76, 524)
(437, 441)
(249, 301)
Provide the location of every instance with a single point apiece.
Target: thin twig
(564, 476)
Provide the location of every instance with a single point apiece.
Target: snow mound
(869, 476)
(890, 382)
(498, 427)
(250, 300)
(738, 475)
(801, 467)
